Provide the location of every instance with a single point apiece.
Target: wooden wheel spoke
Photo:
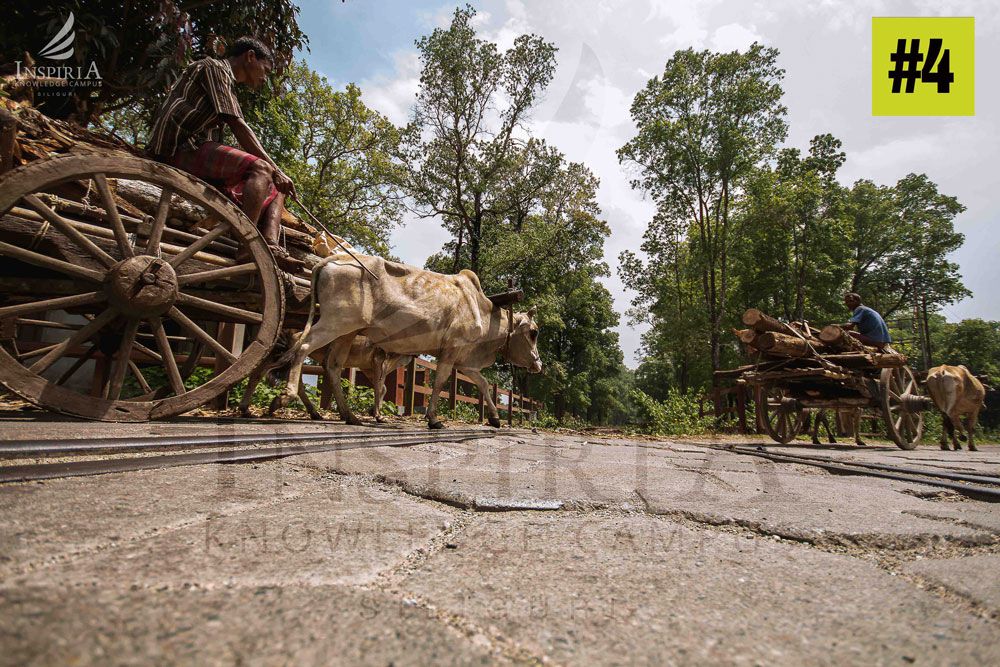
(201, 334)
(140, 378)
(37, 352)
(156, 230)
(77, 365)
(114, 219)
(80, 336)
(167, 355)
(199, 245)
(217, 274)
(52, 304)
(239, 314)
(38, 259)
(122, 361)
(69, 230)
(148, 352)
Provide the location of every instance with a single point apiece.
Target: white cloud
(733, 37)
(393, 94)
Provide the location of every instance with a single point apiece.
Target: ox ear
(531, 312)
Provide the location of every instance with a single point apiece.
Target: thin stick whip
(295, 198)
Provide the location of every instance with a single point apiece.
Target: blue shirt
(871, 324)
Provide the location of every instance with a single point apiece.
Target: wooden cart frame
(106, 310)
(785, 390)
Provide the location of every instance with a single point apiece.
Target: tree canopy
(342, 155)
(702, 128)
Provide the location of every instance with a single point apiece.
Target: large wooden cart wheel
(778, 414)
(903, 403)
(98, 283)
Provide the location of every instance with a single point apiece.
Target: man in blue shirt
(868, 326)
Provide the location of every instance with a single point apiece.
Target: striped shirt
(202, 94)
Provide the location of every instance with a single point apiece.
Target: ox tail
(949, 385)
(285, 360)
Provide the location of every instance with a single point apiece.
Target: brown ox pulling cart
(119, 276)
(797, 369)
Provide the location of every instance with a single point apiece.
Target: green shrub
(156, 377)
(264, 393)
(676, 415)
(362, 400)
(463, 412)
(546, 419)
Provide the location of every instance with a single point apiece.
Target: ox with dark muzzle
(405, 310)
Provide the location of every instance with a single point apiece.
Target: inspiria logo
(60, 47)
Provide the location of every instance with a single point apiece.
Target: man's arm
(248, 141)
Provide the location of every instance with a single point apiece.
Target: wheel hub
(142, 286)
(915, 402)
(789, 404)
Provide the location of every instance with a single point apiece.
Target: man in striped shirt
(202, 101)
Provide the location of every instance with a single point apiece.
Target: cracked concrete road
(518, 548)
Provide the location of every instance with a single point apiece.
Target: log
(761, 322)
(778, 344)
(860, 359)
(8, 136)
(146, 196)
(837, 338)
(745, 336)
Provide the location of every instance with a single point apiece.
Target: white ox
(410, 311)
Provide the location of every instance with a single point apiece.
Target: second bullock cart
(797, 370)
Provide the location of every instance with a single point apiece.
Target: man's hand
(283, 183)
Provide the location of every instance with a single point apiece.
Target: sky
(609, 49)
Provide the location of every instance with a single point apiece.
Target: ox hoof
(353, 421)
(316, 416)
(973, 448)
(435, 424)
(860, 443)
(944, 447)
(245, 414)
(495, 423)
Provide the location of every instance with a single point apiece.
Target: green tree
(141, 47)
(466, 162)
(667, 299)
(793, 260)
(703, 126)
(974, 343)
(342, 155)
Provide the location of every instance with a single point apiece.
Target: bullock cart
(796, 369)
(119, 276)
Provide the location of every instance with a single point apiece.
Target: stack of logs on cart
(796, 369)
(768, 339)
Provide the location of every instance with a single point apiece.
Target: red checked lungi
(222, 166)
